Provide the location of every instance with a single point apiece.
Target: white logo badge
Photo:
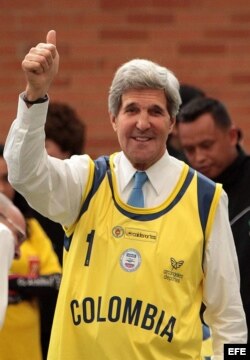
(130, 260)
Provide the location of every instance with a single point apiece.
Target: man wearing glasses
(12, 234)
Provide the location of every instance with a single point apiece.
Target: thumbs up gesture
(40, 66)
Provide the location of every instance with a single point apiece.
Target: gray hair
(144, 74)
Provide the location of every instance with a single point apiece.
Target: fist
(40, 66)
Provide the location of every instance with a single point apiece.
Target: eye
(131, 110)
(156, 111)
(207, 145)
(189, 150)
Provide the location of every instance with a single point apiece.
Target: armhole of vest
(215, 201)
(206, 189)
(101, 165)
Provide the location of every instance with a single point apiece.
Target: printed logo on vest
(176, 264)
(140, 235)
(134, 234)
(118, 231)
(130, 260)
(172, 275)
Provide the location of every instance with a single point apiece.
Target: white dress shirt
(7, 251)
(55, 187)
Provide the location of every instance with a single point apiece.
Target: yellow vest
(132, 282)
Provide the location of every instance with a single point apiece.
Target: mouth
(141, 138)
(204, 169)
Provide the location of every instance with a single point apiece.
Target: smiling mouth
(141, 139)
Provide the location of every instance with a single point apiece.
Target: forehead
(144, 97)
(201, 129)
(203, 124)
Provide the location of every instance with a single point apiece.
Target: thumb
(51, 37)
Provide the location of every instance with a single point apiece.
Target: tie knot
(140, 179)
(136, 197)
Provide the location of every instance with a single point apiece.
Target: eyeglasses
(21, 235)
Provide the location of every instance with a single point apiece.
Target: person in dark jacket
(212, 145)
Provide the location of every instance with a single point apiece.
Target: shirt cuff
(32, 117)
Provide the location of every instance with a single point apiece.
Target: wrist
(39, 100)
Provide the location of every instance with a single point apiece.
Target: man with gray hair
(147, 238)
(12, 234)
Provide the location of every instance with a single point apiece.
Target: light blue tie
(136, 197)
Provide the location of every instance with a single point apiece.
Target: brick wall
(205, 43)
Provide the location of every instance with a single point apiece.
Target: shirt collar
(125, 171)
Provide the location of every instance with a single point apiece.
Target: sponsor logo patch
(141, 235)
(172, 275)
(130, 260)
(118, 231)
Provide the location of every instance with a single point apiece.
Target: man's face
(5, 186)
(208, 148)
(142, 126)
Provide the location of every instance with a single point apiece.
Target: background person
(114, 313)
(36, 274)
(187, 93)
(211, 143)
(12, 234)
(65, 132)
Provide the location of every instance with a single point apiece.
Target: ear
(234, 135)
(172, 124)
(113, 121)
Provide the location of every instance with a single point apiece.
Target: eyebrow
(152, 106)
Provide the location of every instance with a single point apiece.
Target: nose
(143, 122)
(199, 156)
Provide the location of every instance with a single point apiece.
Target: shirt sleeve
(224, 311)
(53, 187)
(7, 249)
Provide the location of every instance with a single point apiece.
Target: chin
(138, 163)
(210, 175)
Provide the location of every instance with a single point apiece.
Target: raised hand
(40, 66)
